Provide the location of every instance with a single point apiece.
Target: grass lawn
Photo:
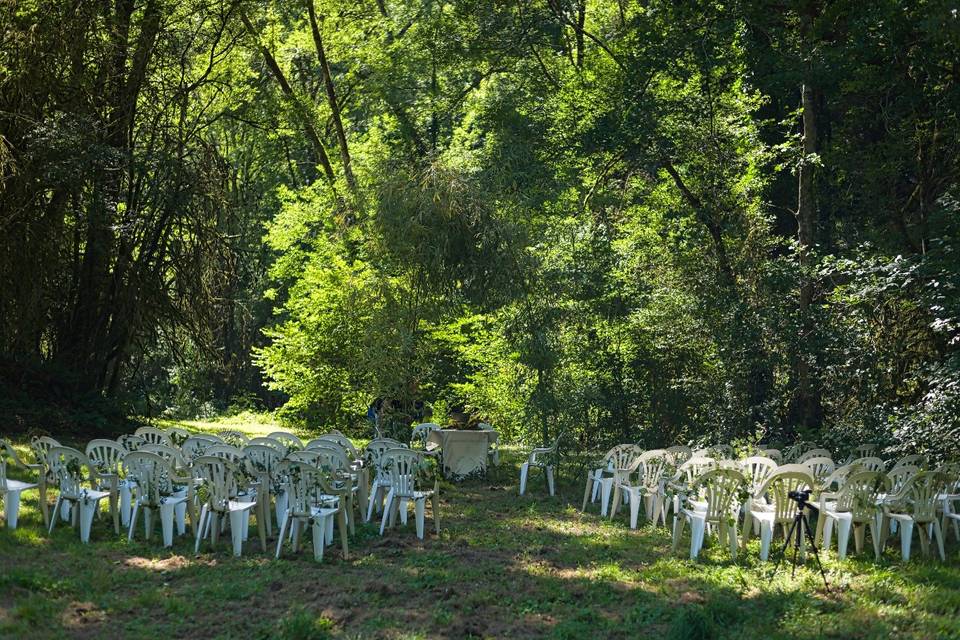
(503, 566)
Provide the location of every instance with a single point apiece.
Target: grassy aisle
(503, 566)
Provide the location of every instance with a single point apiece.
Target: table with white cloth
(464, 451)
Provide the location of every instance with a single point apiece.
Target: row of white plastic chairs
(163, 470)
(703, 490)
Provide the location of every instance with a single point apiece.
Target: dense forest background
(631, 220)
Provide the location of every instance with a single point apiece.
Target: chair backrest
(402, 465)
(375, 449)
(911, 460)
(899, 475)
(154, 436)
(679, 454)
(41, 447)
(820, 468)
(225, 451)
(870, 463)
(783, 480)
(105, 455)
(757, 469)
(233, 437)
(343, 441)
(220, 477)
(838, 478)
(773, 454)
(332, 459)
(865, 450)
(197, 445)
(262, 460)
(287, 439)
(721, 451)
(420, 433)
(791, 453)
(860, 493)
(152, 474)
(307, 485)
(920, 495)
(172, 455)
(693, 468)
(306, 456)
(623, 456)
(7, 452)
(269, 442)
(651, 466)
(720, 487)
(177, 435)
(813, 453)
(131, 442)
(71, 470)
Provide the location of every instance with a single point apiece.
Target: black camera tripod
(799, 529)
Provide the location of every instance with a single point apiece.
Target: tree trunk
(331, 96)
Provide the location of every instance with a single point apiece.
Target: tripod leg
(813, 547)
(783, 550)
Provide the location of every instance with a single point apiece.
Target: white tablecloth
(464, 451)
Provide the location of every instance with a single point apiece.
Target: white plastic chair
(869, 463)
(910, 461)
(679, 486)
(156, 491)
(855, 505)
(678, 454)
(105, 456)
(373, 454)
(233, 437)
(950, 497)
(403, 466)
(493, 446)
(771, 504)
(75, 477)
(649, 468)
(617, 462)
(40, 447)
(262, 462)
(177, 435)
(773, 454)
(11, 489)
(720, 488)
(916, 504)
(131, 442)
(312, 501)
(197, 444)
(220, 478)
(540, 458)
(757, 469)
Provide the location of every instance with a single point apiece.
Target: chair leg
(56, 510)
(766, 535)
(167, 513)
(732, 534)
(550, 480)
(180, 517)
(263, 523)
(318, 525)
(11, 508)
(634, 498)
(125, 504)
(342, 526)
(605, 485)
(586, 490)
(697, 531)
(114, 505)
(44, 507)
(615, 505)
(370, 499)
(747, 528)
(198, 528)
(283, 530)
(679, 520)
(239, 520)
(133, 520)
(906, 538)
(524, 470)
(147, 522)
(418, 506)
(386, 511)
(938, 531)
(87, 509)
(436, 508)
(843, 537)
